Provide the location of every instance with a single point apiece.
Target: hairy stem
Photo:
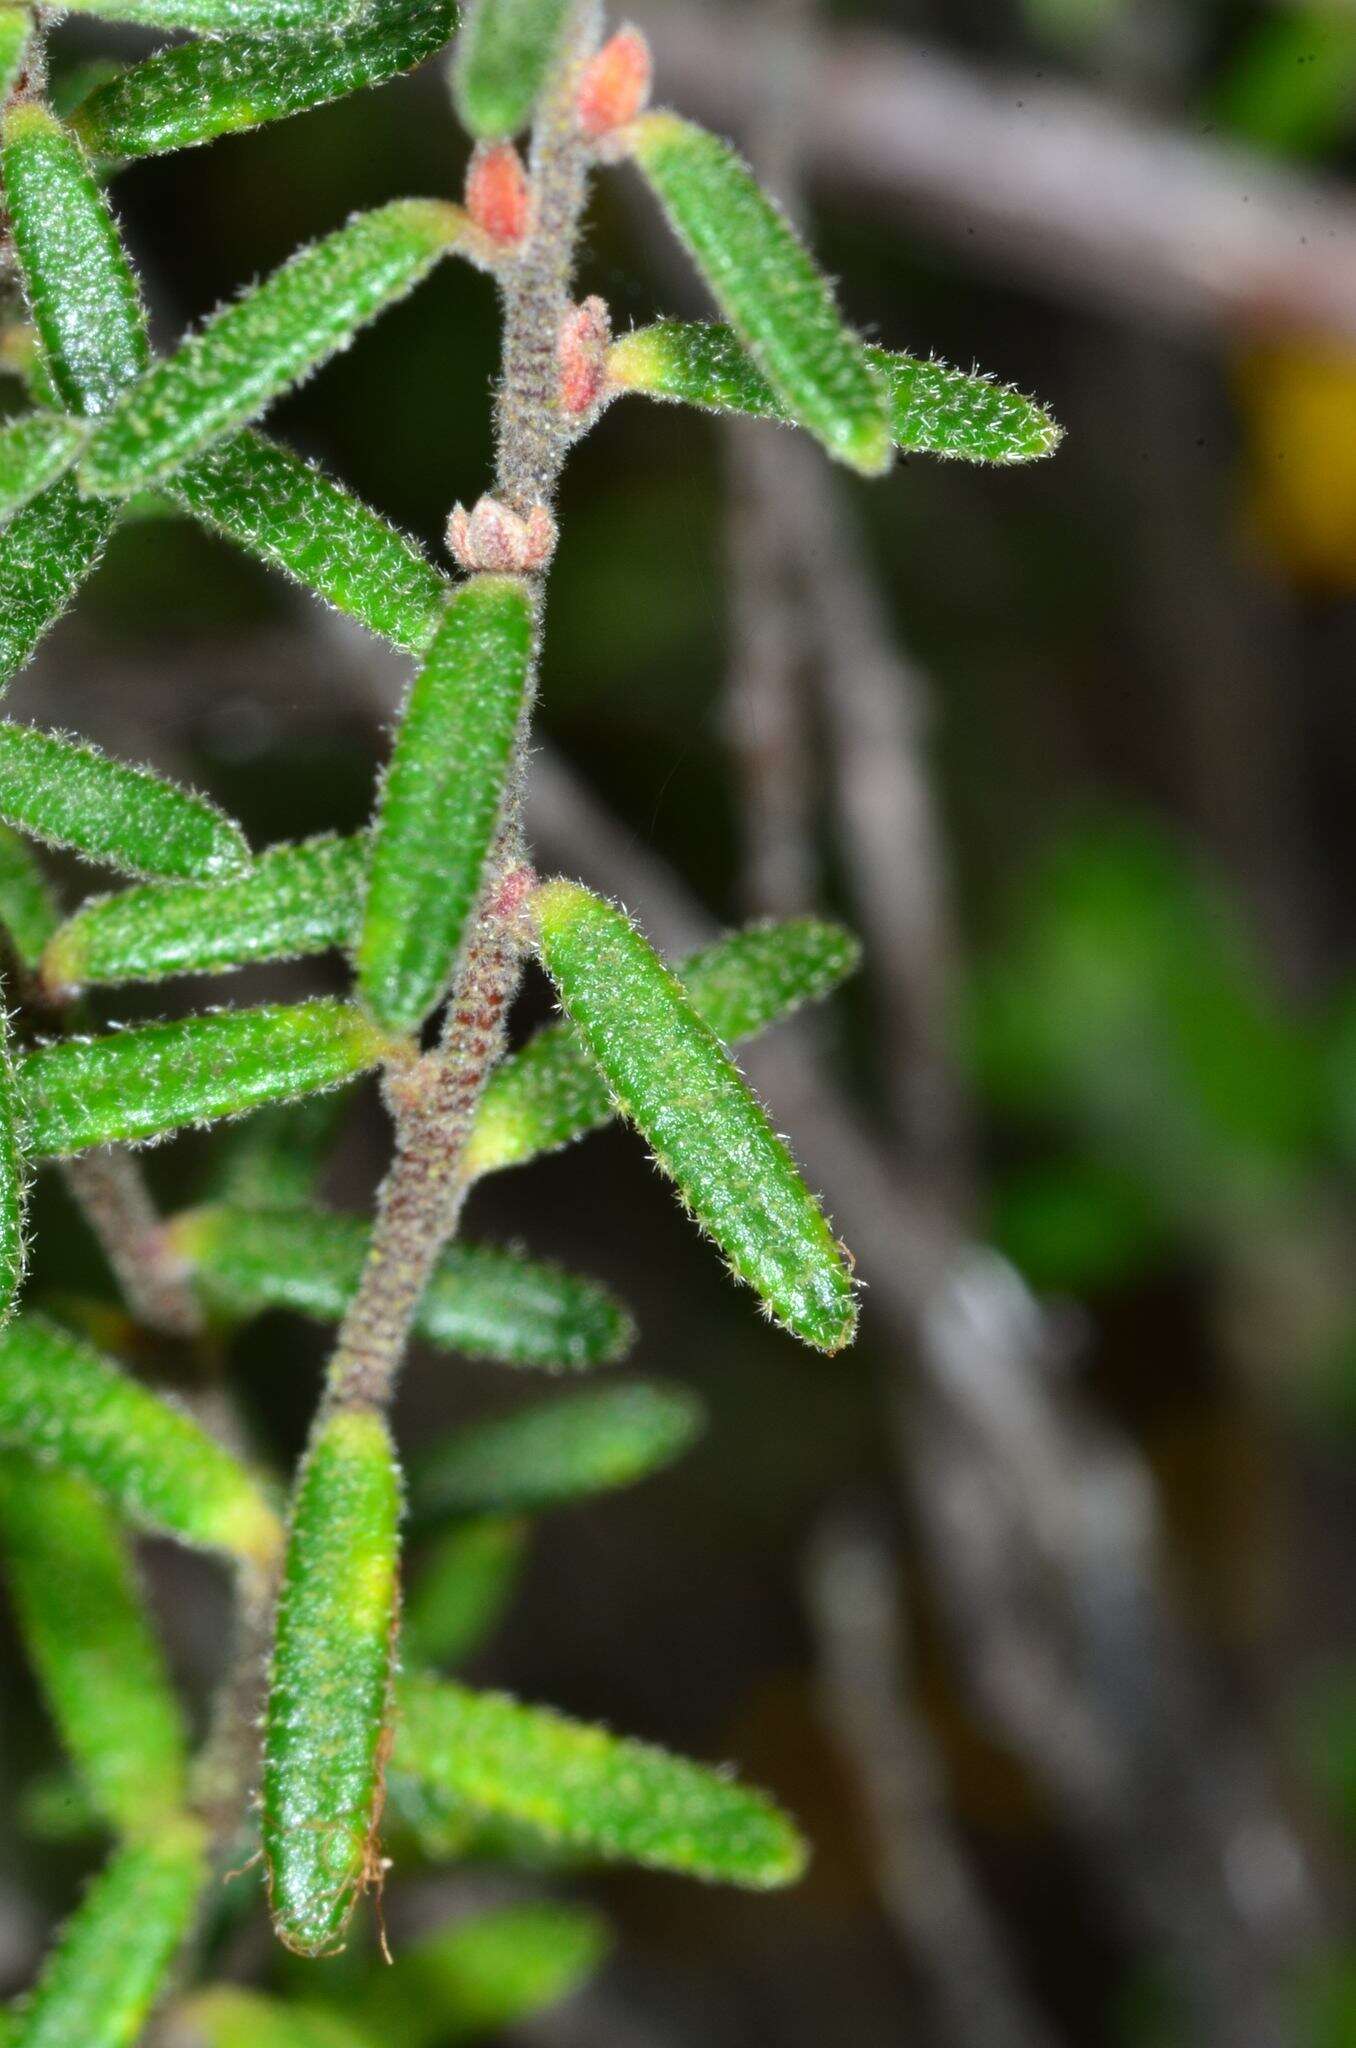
(110, 1189)
(434, 1100)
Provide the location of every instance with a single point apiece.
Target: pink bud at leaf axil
(615, 85)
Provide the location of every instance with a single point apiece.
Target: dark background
(1033, 1614)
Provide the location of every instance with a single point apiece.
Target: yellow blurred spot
(1298, 401)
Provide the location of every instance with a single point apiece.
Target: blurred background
(1036, 1607)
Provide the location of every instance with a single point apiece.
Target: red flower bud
(615, 85)
(581, 351)
(499, 193)
(491, 537)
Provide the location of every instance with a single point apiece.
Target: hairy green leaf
(481, 1975)
(16, 25)
(113, 1956)
(230, 17)
(465, 1581)
(444, 796)
(480, 1301)
(765, 282)
(195, 91)
(329, 1687)
(267, 340)
(34, 450)
(71, 1409)
(155, 1078)
(77, 280)
(621, 1800)
(293, 900)
(85, 1626)
(28, 910)
(46, 551)
(501, 60)
(672, 1077)
(66, 793)
(290, 514)
(228, 2016)
(551, 1092)
(13, 1178)
(934, 410)
(557, 1451)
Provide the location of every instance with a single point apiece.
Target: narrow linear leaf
(75, 1412)
(621, 1800)
(550, 1092)
(269, 339)
(501, 61)
(16, 25)
(444, 796)
(289, 514)
(228, 2016)
(465, 1581)
(482, 1975)
(46, 551)
(34, 450)
(934, 410)
(480, 1301)
(230, 17)
(113, 1956)
(274, 1158)
(13, 1178)
(156, 1078)
(293, 900)
(328, 1709)
(765, 282)
(558, 1451)
(85, 1626)
(195, 91)
(672, 1077)
(78, 282)
(28, 910)
(66, 793)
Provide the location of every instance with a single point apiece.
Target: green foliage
(484, 1974)
(767, 286)
(274, 1158)
(671, 1076)
(444, 797)
(293, 900)
(291, 515)
(66, 793)
(934, 410)
(46, 551)
(1290, 88)
(616, 1799)
(560, 1451)
(34, 450)
(80, 289)
(13, 1179)
(328, 1696)
(269, 339)
(229, 2017)
(227, 17)
(156, 1078)
(84, 1624)
(28, 912)
(550, 1092)
(114, 1953)
(482, 1302)
(196, 91)
(77, 1413)
(16, 24)
(465, 1579)
(502, 57)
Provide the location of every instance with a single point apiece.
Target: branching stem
(434, 1100)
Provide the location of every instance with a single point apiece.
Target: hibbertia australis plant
(334, 1707)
